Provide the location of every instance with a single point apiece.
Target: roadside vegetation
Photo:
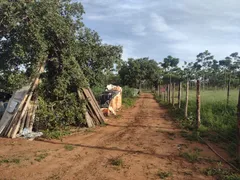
(129, 96)
(218, 120)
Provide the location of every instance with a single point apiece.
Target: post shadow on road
(110, 149)
(142, 126)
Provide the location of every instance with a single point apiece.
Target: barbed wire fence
(228, 140)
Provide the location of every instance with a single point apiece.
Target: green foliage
(104, 124)
(128, 102)
(10, 161)
(171, 73)
(163, 174)
(128, 92)
(116, 162)
(129, 96)
(135, 72)
(97, 91)
(191, 136)
(191, 156)
(218, 120)
(68, 147)
(41, 156)
(55, 134)
(220, 173)
(52, 33)
(232, 177)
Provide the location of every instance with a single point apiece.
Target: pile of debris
(19, 113)
(111, 100)
(18, 118)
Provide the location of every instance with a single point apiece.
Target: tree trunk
(186, 106)
(198, 120)
(179, 94)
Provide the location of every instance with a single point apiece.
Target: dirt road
(137, 144)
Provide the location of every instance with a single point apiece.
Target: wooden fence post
(169, 93)
(198, 120)
(158, 90)
(186, 105)
(161, 92)
(165, 91)
(173, 94)
(238, 121)
(228, 92)
(179, 94)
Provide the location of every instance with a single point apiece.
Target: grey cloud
(158, 28)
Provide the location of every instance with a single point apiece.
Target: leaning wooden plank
(92, 114)
(89, 120)
(97, 105)
(13, 106)
(10, 125)
(22, 123)
(34, 86)
(89, 107)
(16, 128)
(29, 116)
(33, 115)
(90, 111)
(91, 104)
(91, 101)
(18, 96)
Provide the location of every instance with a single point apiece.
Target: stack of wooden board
(20, 112)
(93, 113)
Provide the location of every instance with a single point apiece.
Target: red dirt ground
(143, 138)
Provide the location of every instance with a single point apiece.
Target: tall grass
(218, 120)
(215, 113)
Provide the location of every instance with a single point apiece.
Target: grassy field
(218, 121)
(213, 96)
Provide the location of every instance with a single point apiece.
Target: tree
(134, 72)
(170, 65)
(51, 32)
(229, 66)
(97, 60)
(203, 65)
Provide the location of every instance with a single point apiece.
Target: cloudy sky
(158, 28)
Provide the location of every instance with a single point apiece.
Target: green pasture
(209, 96)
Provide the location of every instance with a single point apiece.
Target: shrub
(129, 92)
